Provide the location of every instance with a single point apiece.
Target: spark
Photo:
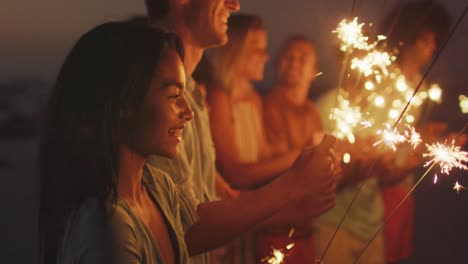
(369, 86)
(397, 103)
(366, 123)
(393, 114)
(458, 187)
(435, 178)
(379, 101)
(435, 93)
(378, 78)
(463, 103)
(415, 101)
(413, 137)
(346, 158)
(448, 156)
(401, 84)
(390, 137)
(423, 95)
(277, 255)
(409, 118)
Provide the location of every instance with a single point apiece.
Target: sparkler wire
(401, 202)
(393, 212)
(371, 167)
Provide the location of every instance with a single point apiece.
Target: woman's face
(157, 127)
(421, 52)
(254, 56)
(426, 45)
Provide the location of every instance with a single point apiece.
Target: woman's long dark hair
(109, 69)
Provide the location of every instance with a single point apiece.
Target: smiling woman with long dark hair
(118, 98)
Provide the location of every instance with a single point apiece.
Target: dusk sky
(36, 35)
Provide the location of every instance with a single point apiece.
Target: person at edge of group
(118, 98)
(291, 121)
(236, 112)
(416, 32)
(380, 193)
(209, 224)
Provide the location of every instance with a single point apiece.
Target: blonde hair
(226, 59)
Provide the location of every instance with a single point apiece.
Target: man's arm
(309, 180)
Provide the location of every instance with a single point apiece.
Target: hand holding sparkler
(315, 176)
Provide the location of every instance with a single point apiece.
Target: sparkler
(346, 118)
(447, 156)
(277, 255)
(375, 62)
(351, 35)
(390, 137)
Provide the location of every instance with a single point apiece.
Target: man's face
(207, 20)
(297, 65)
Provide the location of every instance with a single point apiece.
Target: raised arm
(309, 180)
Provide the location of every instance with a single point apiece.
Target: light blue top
(86, 241)
(366, 213)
